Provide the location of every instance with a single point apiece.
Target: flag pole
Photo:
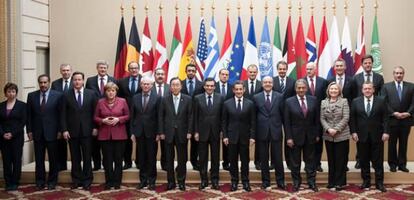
(251, 7)
(376, 7)
(189, 8)
(346, 7)
(277, 8)
(334, 8)
(160, 7)
(362, 7)
(238, 8)
(228, 8)
(312, 7)
(324, 8)
(176, 8)
(122, 9)
(300, 9)
(290, 7)
(146, 8)
(212, 8)
(202, 8)
(266, 7)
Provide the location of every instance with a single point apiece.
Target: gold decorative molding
(3, 43)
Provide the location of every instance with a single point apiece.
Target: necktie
(239, 107)
(368, 78)
(145, 102)
(303, 106)
(251, 87)
(399, 90)
(312, 87)
(191, 87)
(282, 85)
(368, 109)
(43, 103)
(340, 82)
(176, 104)
(79, 99)
(267, 103)
(209, 103)
(223, 90)
(159, 90)
(102, 85)
(133, 86)
(66, 86)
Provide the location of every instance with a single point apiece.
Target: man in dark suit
(63, 84)
(399, 96)
(43, 110)
(317, 88)
(78, 128)
(342, 79)
(176, 128)
(302, 127)
(238, 125)
(269, 116)
(162, 89)
(207, 119)
(252, 87)
(224, 88)
(128, 87)
(144, 129)
(366, 76)
(97, 84)
(369, 128)
(192, 87)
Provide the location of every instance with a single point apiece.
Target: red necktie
(312, 87)
(102, 85)
(303, 106)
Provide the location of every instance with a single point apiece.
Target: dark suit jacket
(180, 123)
(347, 87)
(15, 122)
(58, 85)
(298, 127)
(238, 126)
(120, 110)
(269, 122)
(92, 84)
(320, 88)
(166, 89)
(145, 121)
(124, 91)
(198, 87)
(389, 91)
(257, 89)
(358, 80)
(229, 90)
(289, 86)
(369, 127)
(207, 120)
(44, 124)
(79, 120)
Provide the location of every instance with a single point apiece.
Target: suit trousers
(374, 152)
(40, 147)
(264, 163)
(11, 153)
(147, 158)
(96, 153)
(337, 153)
(194, 152)
(80, 150)
(225, 154)
(236, 150)
(398, 134)
(308, 151)
(214, 158)
(128, 153)
(181, 158)
(112, 151)
(62, 154)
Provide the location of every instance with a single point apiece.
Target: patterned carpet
(395, 192)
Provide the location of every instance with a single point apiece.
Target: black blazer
(237, 126)
(180, 123)
(92, 84)
(358, 80)
(124, 91)
(15, 122)
(320, 88)
(347, 87)
(58, 85)
(44, 124)
(369, 127)
(258, 88)
(298, 127)
(166, 89)
(389, 91)
(229, 94)
(269, 122)
(198, 87)
(145, 121)
(79, 120)
(289, 86)
(207, 120)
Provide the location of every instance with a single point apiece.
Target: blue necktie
(79, 99)
(399, 90)
(268, 105)
(133, 86)
(191, 88)
(66, 86)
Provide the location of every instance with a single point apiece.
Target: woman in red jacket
(111, 114)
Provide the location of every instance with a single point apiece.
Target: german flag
(121, 52)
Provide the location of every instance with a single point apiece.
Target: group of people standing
(277, 114)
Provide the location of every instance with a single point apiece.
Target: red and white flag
(161, 56)
(147, 57)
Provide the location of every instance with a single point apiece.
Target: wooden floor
(132, 175)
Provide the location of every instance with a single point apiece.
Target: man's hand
(196, 137)
(30, 136)
(7, 136)
(355, 137)
(226, 141)
(252, 141)
(66, 135)
(188, 136)
(385, 137)
(133, 138)
(290, 143)
(95, 132)
(162, 136)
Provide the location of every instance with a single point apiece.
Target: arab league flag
(375, 48)
(277, 47)
(265, 52)
(176, 50)
(250, 55)
(237, 56)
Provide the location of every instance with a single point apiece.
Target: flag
(311, 42)
(289, 50)
(250, 55)
(346, 48)
(225, 50)
(176, 50)
(237, 55)
(213, 52)
(265, 53)
(323, 51)
(134, 45)
(334, 46)
(375, 48)
(121, 52)
(300, 51)
(277, 47)
(161, 56)
(202, 50)
(360, 47)
(147, 57)
(188, 54)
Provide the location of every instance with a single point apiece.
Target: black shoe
(51, 186)
(11, 188)
(96, 168)
(258, 167)
(329, 186)
(151, 187)
(40, 187)
(215, 186)
(226, 166)
(127, 166)
(203, 185)
(171, 186)
(381, 187)
(296, 188)
(233, 187)
(271, 167)
(181, 187)
(75, 186)
(265, 185)
(117, 187)
(313, 187)
(347, 168)
(365, 185)
(107, 187)
(393, 169)
(281, 186)
(63, 168)
(246, 187)
(195, 167)
(339, 188)
(163, 168)
(141, 185)
(319, 169)
(87, 187)
(404, 169)
(357, 165)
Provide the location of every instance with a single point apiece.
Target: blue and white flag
(213, 54)
(265, 53)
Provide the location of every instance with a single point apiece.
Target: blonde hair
(329, 86)
(111, 85)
